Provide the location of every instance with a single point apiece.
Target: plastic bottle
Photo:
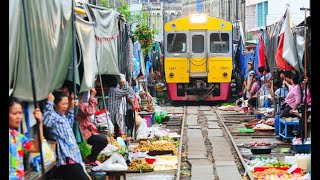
(303, 162)
(308, 161)
(296, 159)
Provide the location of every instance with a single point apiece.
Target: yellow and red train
(198, 52)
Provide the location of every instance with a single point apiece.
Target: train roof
(204, 22)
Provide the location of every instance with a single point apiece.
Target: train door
(198, 54)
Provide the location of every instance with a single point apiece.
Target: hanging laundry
(87, 41)
(130, 56)
(261, 60)
(286, 57)
(106, 35)
(136, 54)
(300, 46)
(271, 42)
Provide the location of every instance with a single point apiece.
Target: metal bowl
(260, 149)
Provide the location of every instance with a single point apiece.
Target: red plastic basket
(150, 160)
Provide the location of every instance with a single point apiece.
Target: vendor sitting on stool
(89, 130)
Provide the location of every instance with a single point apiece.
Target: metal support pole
(74, 56)
(305, 75)
(33, 84)
(237, 10)
(229, 10)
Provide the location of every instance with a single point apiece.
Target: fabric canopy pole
(305, 76)
(33, 85)
(104, 103)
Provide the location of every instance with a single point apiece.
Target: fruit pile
(278, 164)
(276, 174)
(139, 164)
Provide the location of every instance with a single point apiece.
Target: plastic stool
(283, 125)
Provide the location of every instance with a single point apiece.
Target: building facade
(261, 13)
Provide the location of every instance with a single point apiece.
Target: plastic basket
(301, 148)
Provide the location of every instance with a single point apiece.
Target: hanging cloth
(51, 42)
(261, 60)
(130, 56)
(87, 41)
(120, 117)
(106, 35)
(76, 128)
(284, 48)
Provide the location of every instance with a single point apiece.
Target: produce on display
(85, 149)
(263, 127)
(278, 164)
(261, 144)
(114, 142)
(276, 174)
(143, 146)
(162, 145)
(227, 108)
(260, 161)
(139, 164)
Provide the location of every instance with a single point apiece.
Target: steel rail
(180, 144)
(247, 171)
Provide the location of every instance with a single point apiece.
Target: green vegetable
(85, 149)
(123, 151)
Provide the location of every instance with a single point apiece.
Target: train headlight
(171, 75)
(225, 74)
(198, 19)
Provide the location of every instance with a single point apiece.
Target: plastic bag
(115, 162)
(109, 149)
(142, 132)
(103, 119)
(49, 156)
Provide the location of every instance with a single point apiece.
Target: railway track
(211, 146)
(232, 122)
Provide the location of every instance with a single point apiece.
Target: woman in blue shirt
(59, 119)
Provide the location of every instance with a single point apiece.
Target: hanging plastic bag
(101, 116)
(49, 156)
(103, 119)
(115, 162)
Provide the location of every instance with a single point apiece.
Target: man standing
(152, 83)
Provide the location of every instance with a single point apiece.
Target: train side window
(176, 43)
(197, 43)
(219, 43)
